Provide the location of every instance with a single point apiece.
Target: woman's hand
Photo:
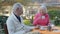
(38, 26)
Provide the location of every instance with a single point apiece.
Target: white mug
(43, 17)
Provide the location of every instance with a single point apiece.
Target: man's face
(19, 10)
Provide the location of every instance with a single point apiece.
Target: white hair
(16, 5)
(43, 7)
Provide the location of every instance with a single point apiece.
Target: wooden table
(46, 31)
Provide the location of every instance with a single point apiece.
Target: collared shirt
(18, 17)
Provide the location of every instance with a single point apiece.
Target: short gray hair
(16, 5)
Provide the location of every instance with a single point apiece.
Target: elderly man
(15, 22)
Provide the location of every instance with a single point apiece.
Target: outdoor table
(46, 31)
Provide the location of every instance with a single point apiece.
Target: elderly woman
(41, 18)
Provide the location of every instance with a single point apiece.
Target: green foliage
(57, 22)
(27, 22)
(3, 18)
(54, 13)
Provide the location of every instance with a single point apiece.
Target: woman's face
(43, 11)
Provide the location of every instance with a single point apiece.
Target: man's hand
(28, 30)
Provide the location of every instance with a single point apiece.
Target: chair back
(5, 29)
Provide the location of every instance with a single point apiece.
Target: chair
(5, 29)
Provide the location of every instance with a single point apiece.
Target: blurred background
(30, 9)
